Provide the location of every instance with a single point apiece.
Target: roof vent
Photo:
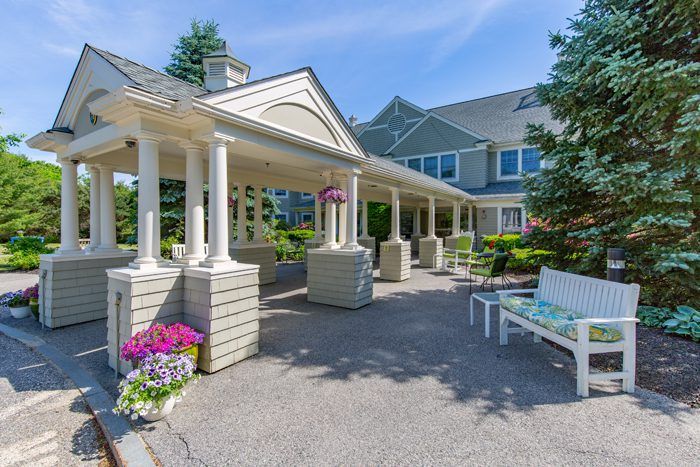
(352, 120)
(223, 70)
(396, 123)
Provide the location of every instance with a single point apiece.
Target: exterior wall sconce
(483, 213)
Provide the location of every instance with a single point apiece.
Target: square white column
(108, 221)
(416, 221)
(318, 218)
(470, 220)
(455, 220)
(365, 221)
(242, 221)
(431, 217)
(194, 205)
(258, 215)
(218, 201)
(94, 207)
(351, 213)
(69, 208)
(148, 204)
(330, 218)
(343, 214)
(395, 216)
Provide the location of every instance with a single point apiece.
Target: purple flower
(158, 383)
(144, 386)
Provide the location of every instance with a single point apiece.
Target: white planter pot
(156, 414)
(20, 311)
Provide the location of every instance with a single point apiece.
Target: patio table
(489, 300)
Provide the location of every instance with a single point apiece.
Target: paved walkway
(404, 380)
(11, 281)
(45, 420)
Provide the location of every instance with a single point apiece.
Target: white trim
(306, 195)
(306, 213)
(273, 192)
(439, 155)
(519, 148)
(393, 102)
(499, 216)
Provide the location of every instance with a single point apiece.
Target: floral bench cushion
(555, 318)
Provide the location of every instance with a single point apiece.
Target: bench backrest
(594, 298)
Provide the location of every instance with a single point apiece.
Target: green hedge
(25, 253)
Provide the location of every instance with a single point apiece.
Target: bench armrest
(517, 291)
(590, 321)
(450, 250)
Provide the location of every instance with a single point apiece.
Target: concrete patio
(403, 380)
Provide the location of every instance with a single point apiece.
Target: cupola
(223, 70)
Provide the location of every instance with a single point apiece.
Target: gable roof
(501, 118)
(150, 80)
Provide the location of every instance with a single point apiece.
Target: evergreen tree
(625, 172)
(186, 59)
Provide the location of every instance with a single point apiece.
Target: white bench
(178, 250)
(601, 303)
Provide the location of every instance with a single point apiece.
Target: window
(509, 163)
(531, 160)
(281, 216)
(414, 164)
(307, 217)
(511, 220)
(277, 193)
(307, 195)
(513, 162)
(448, 166)
(430, 166)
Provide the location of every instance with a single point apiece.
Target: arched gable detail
(299, 118)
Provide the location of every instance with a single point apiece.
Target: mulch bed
(667, 364)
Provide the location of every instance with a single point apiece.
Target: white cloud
(61, 50)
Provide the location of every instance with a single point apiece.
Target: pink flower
(333, 195)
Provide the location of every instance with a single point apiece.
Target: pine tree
(186, 59)
(625, 172)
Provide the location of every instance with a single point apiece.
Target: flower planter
(20, 312)
(156, 414)
(191, 350)
(34, 306)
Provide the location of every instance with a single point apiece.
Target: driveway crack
(184, 441)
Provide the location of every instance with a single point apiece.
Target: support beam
(318, 218)
(365, 221)
(455, 220)
(69, 208)
(470, 220)
(242, 222)
(343, 214)
(94, 207)
(194, 205)
(218, 200)
(395, 216)
(229, 214)
(108, 219)
(258, 215)
(431, 217)
(351, 212)
(148, 204)
(330, 219)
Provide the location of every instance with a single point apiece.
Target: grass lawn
(5, 257)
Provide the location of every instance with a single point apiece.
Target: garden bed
(666, 364)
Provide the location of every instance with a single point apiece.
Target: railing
(178, 251)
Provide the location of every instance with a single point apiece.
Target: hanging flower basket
(332, 194)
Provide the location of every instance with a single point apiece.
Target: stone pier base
(221, 302)
(451, 242)
(415, 238)
(370, 243)
(73, 288)
(310, 245)
(262, 254)
(340, 277)
(429, 247)
(395, 261)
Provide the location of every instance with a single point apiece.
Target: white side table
(489, 300)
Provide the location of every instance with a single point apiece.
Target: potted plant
(32, 294)
(152, 390)
(331, 194)
(17, 303)
(161, 338)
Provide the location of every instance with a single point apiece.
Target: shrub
(26, 261)
(288, 251)
(506, 242)
(282, 225)
(166, 246)
(300, 235)
(529, 260)
(684, 322)
(652, 316)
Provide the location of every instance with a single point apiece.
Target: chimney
(352, 120)
(222, 70)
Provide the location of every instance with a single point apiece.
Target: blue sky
(364, 52)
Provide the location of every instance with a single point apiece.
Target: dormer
(222, 70)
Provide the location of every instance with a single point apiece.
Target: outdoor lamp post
(616, 265)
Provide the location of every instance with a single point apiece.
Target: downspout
(117, 307)
(42, 310)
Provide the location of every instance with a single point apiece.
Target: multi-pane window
(509, 162)
(511, 220)
(414, 164)
(430, 166)
(448, 166)
(307, 195)
(307, 216)
(531, 160)
(282, 216)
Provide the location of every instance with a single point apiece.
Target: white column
(108, 221)
(455, 219)
(365, 222)
(343, 215)
(416, 221)
(94, 207)
(241, 230)
(148, 204)
(194, 204)
(330, 219)
(229, 213)
(258, 215)
(69, 208)
(318, 221)
(351, 213)
(395, 216)
(431, 217)
(470, 221)
(218, 201)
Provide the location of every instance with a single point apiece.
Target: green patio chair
(461, 254)
(496, 269)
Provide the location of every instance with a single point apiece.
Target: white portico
(282, 132)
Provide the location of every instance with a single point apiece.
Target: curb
(126, 445)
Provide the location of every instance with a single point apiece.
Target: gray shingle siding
(472, 170)
(434, 136)
(488, 226)
(493, 167)
(409, 112)
(377, 140)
